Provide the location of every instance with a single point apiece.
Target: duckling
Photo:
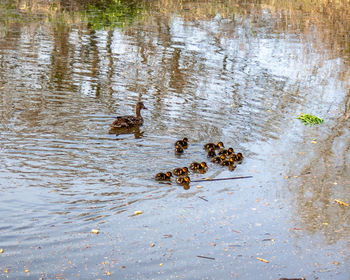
(228, 162)
(183, 143)
(179, 150)
(211, 153)
(163, 176)
(194, 165)
(130, 121)
(180, 171)
(203, 165)
(209, 146)
(213, 146)
(231, 163)
(218, 159)
(232, 167)
(226, 152)
(225, 162)
(183, 180)
(239, 157)
(220, 145)
(198, 165)
(201, 168)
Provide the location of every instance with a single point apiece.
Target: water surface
(227, 72)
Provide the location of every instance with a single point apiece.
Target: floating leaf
(262, 260)
(308, 119)
(138, 212)
(341, 202)
(95, 231)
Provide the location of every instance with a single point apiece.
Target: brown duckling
(219, 145)
(211, 153)
(225, 162)
(130, 121)
(199, 167)
(228, 162)
(180, 171)
(218, 159)
(239, 157)
(183, 143)
(163, 176)
(183, 180)
(194, 165)
(179, 149)
(232, 167)
(226, 152)
(208, 146)
(203, 165)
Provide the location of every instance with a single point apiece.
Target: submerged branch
(222, 179)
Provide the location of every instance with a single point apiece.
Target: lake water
(231, 71)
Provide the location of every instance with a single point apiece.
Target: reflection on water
(231, 72)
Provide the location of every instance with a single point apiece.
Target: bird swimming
(130, 121)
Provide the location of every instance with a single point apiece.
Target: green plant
(308, 119)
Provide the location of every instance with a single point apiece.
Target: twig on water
(204, 257)
(202, 197)
(222, 179)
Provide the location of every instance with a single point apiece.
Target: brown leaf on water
(341, 202)
(262, 260)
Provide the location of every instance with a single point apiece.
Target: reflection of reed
(329, 179)
(301, 16)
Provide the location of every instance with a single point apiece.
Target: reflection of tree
(330, 177)
(60, 70)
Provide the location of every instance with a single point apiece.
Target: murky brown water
(236, 73)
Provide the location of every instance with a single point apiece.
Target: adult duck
(130, 121)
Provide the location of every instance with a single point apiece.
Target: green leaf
(308, 119)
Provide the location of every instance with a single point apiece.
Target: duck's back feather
(127, 121)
